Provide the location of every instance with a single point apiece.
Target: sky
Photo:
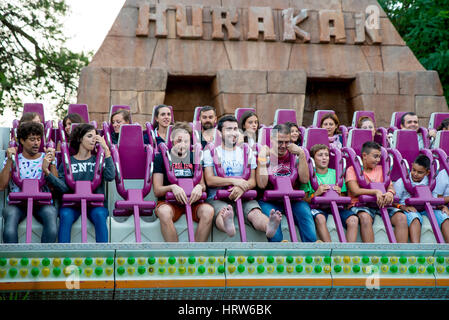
(86, 26)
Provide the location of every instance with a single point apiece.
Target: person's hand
(236, 193)
(101, 141)
(242, 184)
(196, 194)
(407, 208)
(432, 133)
(388, 196)
(48, 159)
(337, 189)
(295, 149)
(445, 210)
(11, 152)
(50, 152)
(323, 188)
(179, 194)
(380, 198)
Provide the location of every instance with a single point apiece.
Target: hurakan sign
(304, 55)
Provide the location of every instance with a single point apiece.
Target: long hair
(334, 117)
(78, 133)
(245, 116)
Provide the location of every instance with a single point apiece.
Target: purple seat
(359, 114)
(405, 150)
(80, 109)
(115, 108)
(240, 111)
(330, 199)
(284, 115)
(441, 149)
(196, 114)
(395, 124)
(35, 107)
(133, 161)
(318, 114)
(436, 118)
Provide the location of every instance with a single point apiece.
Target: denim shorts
(439, 215)
(374, 211)
(344, 214)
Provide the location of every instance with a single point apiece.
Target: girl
(294, 133)
(118, 118)
(162, 117)
(366, 123)
(249, 124)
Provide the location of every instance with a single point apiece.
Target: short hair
(317, 147)
(125, 114)
(370, 145)
(423, 161)
(281, 128)
(334, 117)
(406, 114)
(223, 119)
(444, 124)
(180, 126)
(73, 117)
(362, 120)
(29, 116)
(29, 128)
(207, 108)
(78, 133)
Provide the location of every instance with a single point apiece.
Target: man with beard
(278, 159)
(30, 161)
(231, 158)
(208, 119)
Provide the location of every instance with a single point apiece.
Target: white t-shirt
(442, 184)
(402, 193)
(29, 169)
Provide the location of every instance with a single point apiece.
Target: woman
(67, 122)
(331, 123)
(249, 124)
(366, 123)
(119, 118)
(162, 117)
(294, 133)
(83, 140)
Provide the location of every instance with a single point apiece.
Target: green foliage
(424, 26)
(33, 59)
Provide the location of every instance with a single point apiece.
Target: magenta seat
(284, 115)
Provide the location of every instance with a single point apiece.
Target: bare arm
(214, 181)
(262, 168)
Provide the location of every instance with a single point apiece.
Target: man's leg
(205, 214)
(302, 215)
(47, 215)
(165, 213)
(267, 209)
(399, 221)
(352, 227)
(225, 217)
(260, 222)
(366, 226)
(12, 216)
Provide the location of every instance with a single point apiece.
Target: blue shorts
(439, 215)
(374, 211)
(344, 214)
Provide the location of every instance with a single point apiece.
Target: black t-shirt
(183, 168)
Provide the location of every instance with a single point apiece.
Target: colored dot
(13, 261)
(231, 269)
(192, 260)
(231, 259)
(394, 260)
(141, 270)
(440, 269)
(299, 268)
(89, 271)
(356, 268)
(346, 259)
(45, 262)
(337, 268)
(260, 260)
(78, 261)
(421, 269)
(3, 262)
(327, 269)
(440, 260)
(384, 259)
(251, 259)
(98, 271)
(2, 273)
(131, 260)
(412, 269)
(318, 260)
(46, 272)
(318, 269)
(221, 269)
(67, 271)
(201, 269)
(67, 261)
(394, 269)
(375, 259)
(309, 269)
(221, 260)
(270, 269)
(412, 260)
(211, 260)
(151, 260)
(110, 261)
(280, 268)
(23, 272)
(289, 259)
(211, 269)
(24, 261)
(182, 270)
(131, 270)
(447, 269)
(251, 269)
(337, 259)
(109, 271)
(161, 270)
(290, 269)
(356, 260)
(403, 260)
(299, 259)
(56, 271)
(421, 260)
(430, 260)
(201, 260)
(191, 270)
(152, 270)
(241, 268)
(384, 268)
(172, 260)
(182, 260)
(346, 269)
(402, 269)
(241, 259)
(327, 260)
(171, 269)
(430, 269)
(260, 269)
(270, 259)
(88, 261)
(120, 261)
(365, 259)
(309, 259)
(99, 261)
(162, 261)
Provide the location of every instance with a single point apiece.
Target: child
(326, 177)
(372, 171)
(419, 176)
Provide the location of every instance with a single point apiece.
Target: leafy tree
(424, 26)
(33, 59)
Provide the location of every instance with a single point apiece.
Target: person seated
(444, 126)
(366, 123)
(118, 118)
(67, 122)
(277, 160)
(326, 177)
(372, 171)
(249, 125)
(419, 175)
(183, 165)
(31, 163)
(83, 140)
(409, 121)
(30, 117)
(162, 117)
(232, 161)
(208, 120)
(331, 123)
(295, 134)
(442, 190)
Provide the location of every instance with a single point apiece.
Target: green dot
(56, 271)
(403, 260)
(270, 259)
(440, 260)
(309, 259)
(221, 269)
(211, 260)
(67, 261)
(231, 259)
(384, 259)
(241, 268)
(356, 268)
(151, 260)
(318, 269)
(430, 269)
(289, 259)
(161, 270)
(280, 268)
(120, 270)
(141, 270)
(3, 262)
(98, 271)
(12, 272)
(201, 269)
(447, 269)
(327, 260)
(337, 268)
(24, 261)
(299, 268)
(365, 259)
(260, 269)
(45, 262)
(412, 269)
(251, 259)
(192, 260)
(394, 268)
(131, 260)
(422, 260)
(172, 260)
(110, 261)
(35, 272)
(88, 261)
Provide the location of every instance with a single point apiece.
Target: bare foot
(273, 223)
(228, 220)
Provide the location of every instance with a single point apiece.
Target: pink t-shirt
(376, 175)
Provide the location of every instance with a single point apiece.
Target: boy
(327, 176)
(419, 176)
(372, 171)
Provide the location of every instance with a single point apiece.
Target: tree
(424, 26)
(33, 59)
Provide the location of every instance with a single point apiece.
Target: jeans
(97, 215)
(45, 214)
(302, 216)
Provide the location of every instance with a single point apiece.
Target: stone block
(420, 83)
(268, 103)
(316, 5)
(94, 88)
(239, 81)
(138, 79)
(375, 83)
(128, 98)
(390, 36)
(141, 119)
(373, 57)
(400, 58)
(426, 105)
(228, 102)
(125, 24)
(287, 81)
(100, 117)
(147, 99)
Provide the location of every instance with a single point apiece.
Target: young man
(419, 176)
(410, 121)
(372, 171)
(208, 119)
(231, 157)
(183, 164)
(277, 159)
(327, 176)
(29, 135)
